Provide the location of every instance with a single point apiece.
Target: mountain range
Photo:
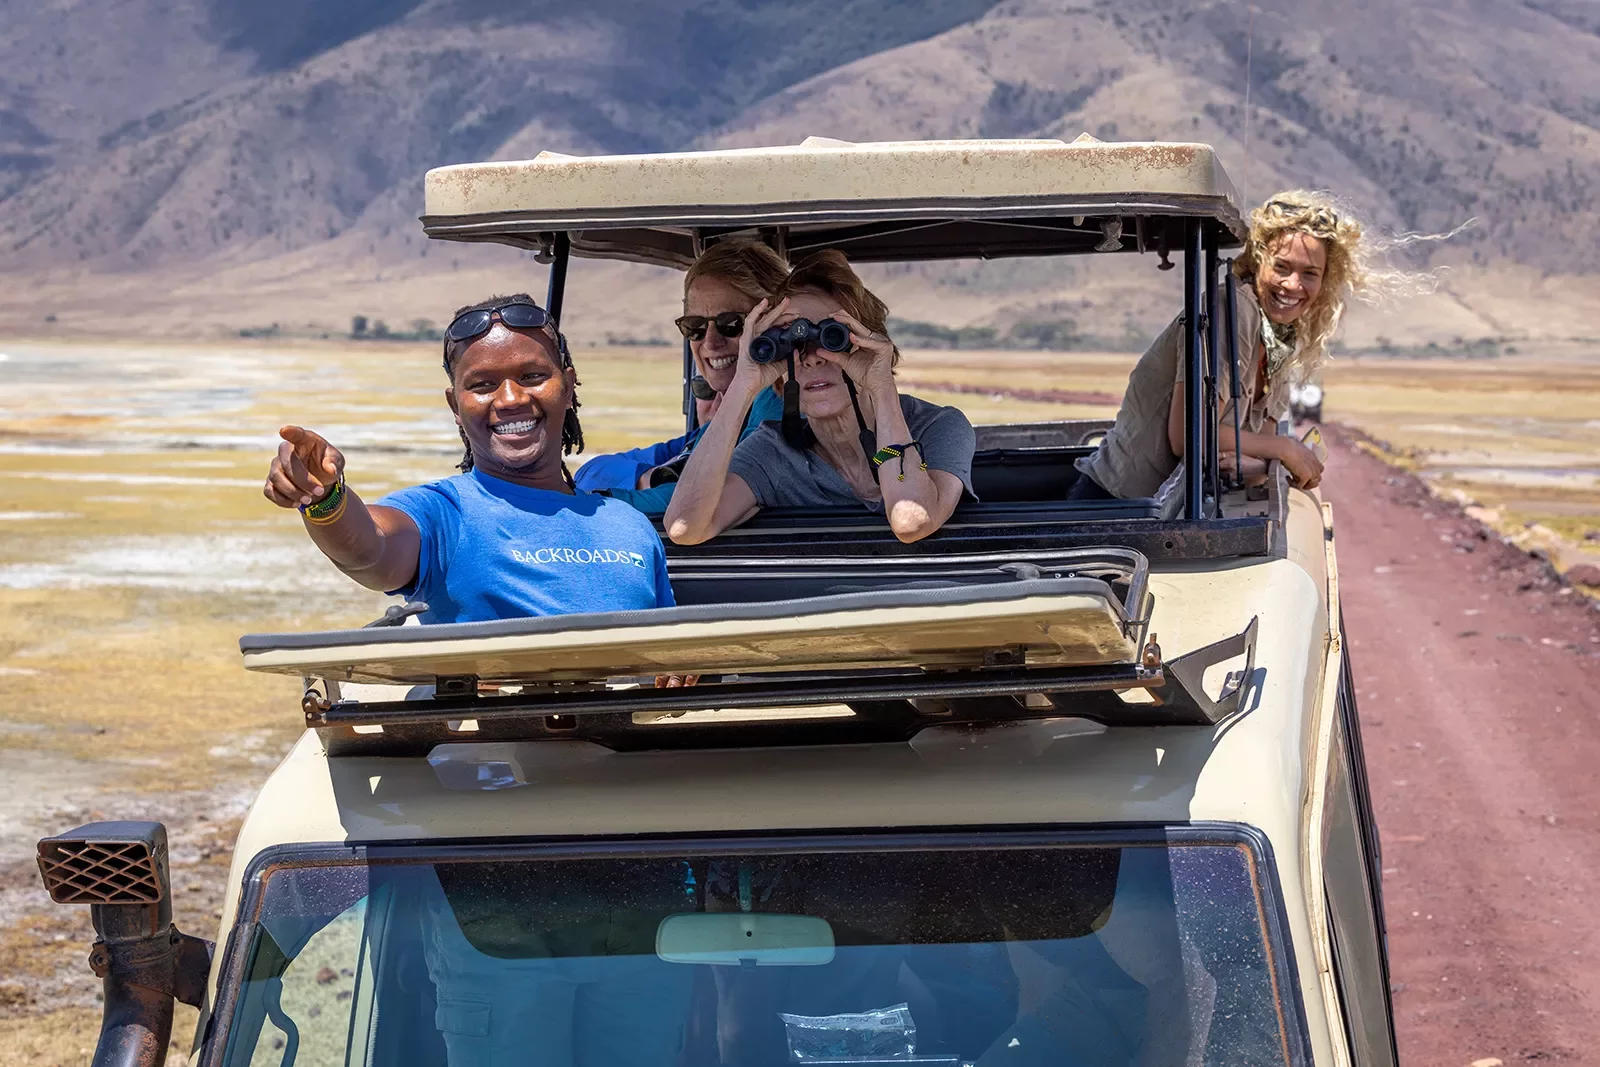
(211, 165)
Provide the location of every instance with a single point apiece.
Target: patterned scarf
(1280, 344)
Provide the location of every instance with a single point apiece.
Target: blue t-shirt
(492, 549)
(621, 470)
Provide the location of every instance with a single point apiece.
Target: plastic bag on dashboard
(886, 1033)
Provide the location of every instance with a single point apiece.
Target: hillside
(317, 139)
(170, 154)
(1458, 110)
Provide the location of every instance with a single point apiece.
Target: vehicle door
(1352, 883)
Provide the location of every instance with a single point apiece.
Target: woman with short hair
(1304, 259)
(511, 535)
(862, 442)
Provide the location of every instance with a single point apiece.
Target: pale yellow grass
(99, 661)
(66, 1038)
(149, 676)
(1518, 435)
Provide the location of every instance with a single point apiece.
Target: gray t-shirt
(783, 477)
(1136, 457)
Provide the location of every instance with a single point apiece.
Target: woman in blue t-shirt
(719, 289)
(511, 535)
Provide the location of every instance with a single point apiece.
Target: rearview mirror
(732, 938)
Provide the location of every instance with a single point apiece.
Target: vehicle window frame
(1276, 939)
(860, 533)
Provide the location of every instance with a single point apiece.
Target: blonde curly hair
(1357, 264)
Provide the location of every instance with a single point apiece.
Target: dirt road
(1476, 677)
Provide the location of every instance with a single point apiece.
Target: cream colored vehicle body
(1281, 762)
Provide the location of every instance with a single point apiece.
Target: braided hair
(571, 428)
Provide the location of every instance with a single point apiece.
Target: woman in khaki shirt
(1304, 259)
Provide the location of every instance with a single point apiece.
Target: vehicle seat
(1008, 475)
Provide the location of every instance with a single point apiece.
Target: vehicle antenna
(1249, 49)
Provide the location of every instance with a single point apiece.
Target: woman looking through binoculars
(861, 441)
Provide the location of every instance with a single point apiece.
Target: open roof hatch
(977, 639)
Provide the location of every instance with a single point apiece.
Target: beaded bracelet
(888, 452)
(330, 509)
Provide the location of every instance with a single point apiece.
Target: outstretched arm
(1304, 467)
(376, 546)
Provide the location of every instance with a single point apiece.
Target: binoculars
(781, 342)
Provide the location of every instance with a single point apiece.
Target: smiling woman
(510, 536)
(1305, 257)
(719, 290)
(824, 337)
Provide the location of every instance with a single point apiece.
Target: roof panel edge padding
(790, 182)
(1074, 621)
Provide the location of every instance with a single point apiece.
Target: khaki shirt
(1136, 457)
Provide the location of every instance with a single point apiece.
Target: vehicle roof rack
(1084, 608)
(890, 200)
(882, 705)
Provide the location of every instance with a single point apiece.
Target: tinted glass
(1029, 955)
(728, 323)
(472, 323)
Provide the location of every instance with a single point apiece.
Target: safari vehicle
(1064, 783)
(1305, 400)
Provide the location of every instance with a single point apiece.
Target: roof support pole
(1235, 390)
(1213, 357)
(557, 290)
(1193, 414)
(691, 414)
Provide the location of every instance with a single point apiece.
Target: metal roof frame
(883, 201)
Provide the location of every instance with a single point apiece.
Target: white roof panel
(960, 198)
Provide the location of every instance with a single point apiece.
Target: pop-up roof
(1057, 621)
(891, 200)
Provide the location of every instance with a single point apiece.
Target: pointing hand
(305, 466)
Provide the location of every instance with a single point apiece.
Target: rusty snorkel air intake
(120, 870)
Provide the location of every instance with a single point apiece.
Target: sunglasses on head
(1317, 218)
(518, 316)
(728, 324)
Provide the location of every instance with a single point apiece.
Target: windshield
(1037, 953)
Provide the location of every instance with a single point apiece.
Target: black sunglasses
(518, 316)
(729, 324)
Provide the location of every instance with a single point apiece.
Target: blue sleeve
(664, 597)
(768, 407)
(438, 519)
(650, 501)
(621, 470)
